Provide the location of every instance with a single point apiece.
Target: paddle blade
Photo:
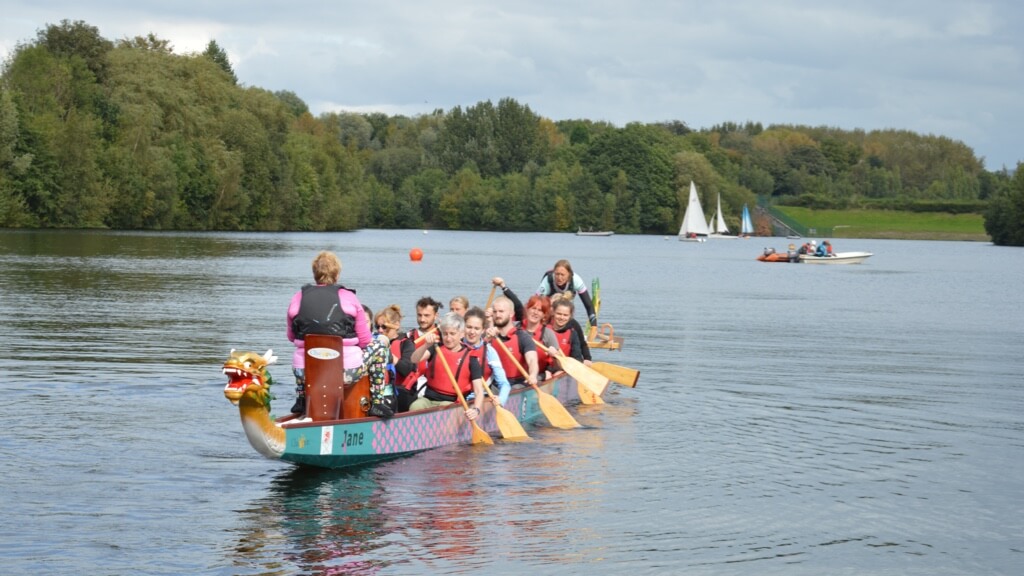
(479, 436)
(587, 395)
(510, 428)
(553, 410)
(620, 374)
(593, 380)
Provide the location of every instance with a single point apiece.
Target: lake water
(789, 419)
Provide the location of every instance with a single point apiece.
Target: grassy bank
(890, 224)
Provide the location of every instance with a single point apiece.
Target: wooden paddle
(490, 298)
(620, 374)
(510, 428)
(592, 381)
(479, 436)
(424, 335)
(553, 410)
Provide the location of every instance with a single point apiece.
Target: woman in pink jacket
(329, 308)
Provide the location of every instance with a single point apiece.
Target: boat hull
(837, 258)
(345, 443)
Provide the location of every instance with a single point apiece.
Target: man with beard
(516, 342)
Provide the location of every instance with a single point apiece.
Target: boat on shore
(581, 232)
(836, 258)
(337, 433)
(694, 227)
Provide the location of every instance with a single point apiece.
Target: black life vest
(552, 289)
(320, 313)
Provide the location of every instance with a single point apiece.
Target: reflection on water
(788, 420)
(325, 522)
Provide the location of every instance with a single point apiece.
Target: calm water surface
(790, 419)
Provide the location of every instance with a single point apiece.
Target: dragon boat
(336, 432)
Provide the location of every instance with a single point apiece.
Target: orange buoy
(415, 254)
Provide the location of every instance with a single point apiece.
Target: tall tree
(220, 57)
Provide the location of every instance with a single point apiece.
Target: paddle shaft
(424, 335)
(477, 431)
(556, 414)
(592, 381)
(490, 298)
(508, 353)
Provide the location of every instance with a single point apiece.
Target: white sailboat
(747, 227)
(718, 227)
(694, 227)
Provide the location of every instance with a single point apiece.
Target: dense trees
(130, 135)
(1004, 219)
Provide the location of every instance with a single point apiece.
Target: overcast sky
(950, 68)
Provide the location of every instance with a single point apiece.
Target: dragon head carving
(247, 371)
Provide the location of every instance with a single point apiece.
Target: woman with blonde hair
(388, 323)
(327, 307)
(562, 279)
(459, 305)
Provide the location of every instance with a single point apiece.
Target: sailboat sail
(694, 227)
(718, 226)
(747, 227)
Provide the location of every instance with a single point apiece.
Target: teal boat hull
(345, 443)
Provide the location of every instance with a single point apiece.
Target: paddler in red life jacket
(488, 357)
(538, 312)
(464, 366)
(426, 321)
(517, 342)
(568, 340)
(388, 322)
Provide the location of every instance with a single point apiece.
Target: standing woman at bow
(561, 279)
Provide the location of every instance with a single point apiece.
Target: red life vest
(511, 342)
(480, 353)
(564, 338)
(437, 378)
(543, 359)
(421, 368)
(409, 381)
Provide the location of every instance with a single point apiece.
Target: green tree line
(127, 134)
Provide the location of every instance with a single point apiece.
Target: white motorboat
(836, 258)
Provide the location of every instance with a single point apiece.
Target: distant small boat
(794, 255)
(836, 258)
(581, 232)
(694, 227)
(770, 255)
(718, 228)
(747, 227)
